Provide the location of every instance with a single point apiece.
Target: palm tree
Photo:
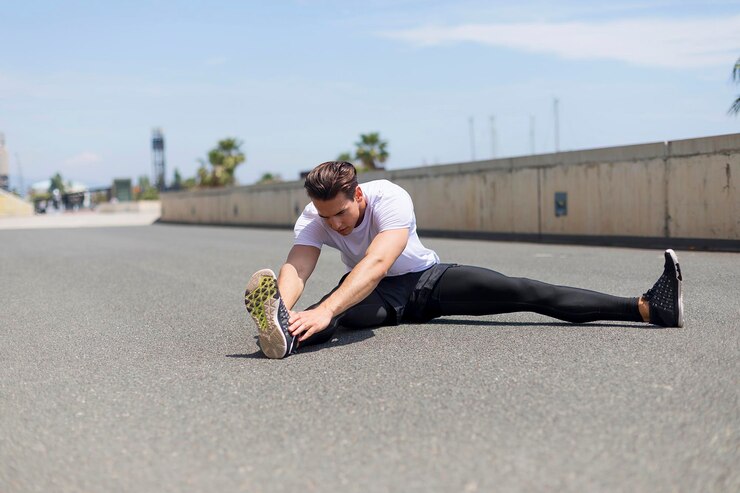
(735, 108)
(371, 150)
(224, 158)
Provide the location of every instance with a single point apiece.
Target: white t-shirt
(388, 207)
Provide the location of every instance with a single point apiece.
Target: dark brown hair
(326, 180)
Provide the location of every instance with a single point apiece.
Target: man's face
(342, 215)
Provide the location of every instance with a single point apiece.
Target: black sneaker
(269, 313)
(664, 298)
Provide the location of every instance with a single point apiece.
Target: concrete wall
(10, 205)
(680, 189)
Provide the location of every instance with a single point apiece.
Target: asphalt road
(127, 363)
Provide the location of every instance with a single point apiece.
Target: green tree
(177, 180)
(149, 194)
(345, 156)
(269, 178)
(146, 190)
(371, 150)
(224, 159)
(204, 177)
(56, 183)
(735, 108)
(190, 183)
(144, 183)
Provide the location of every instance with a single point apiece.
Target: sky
(82, 84)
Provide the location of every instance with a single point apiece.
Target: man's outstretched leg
(465, 290)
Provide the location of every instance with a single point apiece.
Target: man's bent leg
(466, 290)
(370, 312)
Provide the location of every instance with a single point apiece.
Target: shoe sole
(263, 302)
(679, 278)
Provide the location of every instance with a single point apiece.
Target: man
(392, 278)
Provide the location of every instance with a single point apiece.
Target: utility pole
(493, 136)
(472, 139)
(556, 116)
(531, 134)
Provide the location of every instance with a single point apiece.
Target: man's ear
(358, 194)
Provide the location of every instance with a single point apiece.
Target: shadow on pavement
(344, 336)
(455, 321)
(255, 355)
(349, 336)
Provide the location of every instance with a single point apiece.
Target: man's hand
(309, 322)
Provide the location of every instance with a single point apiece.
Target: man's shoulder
(381, 188)
(310, 210)
(388, 202)
(309, 215)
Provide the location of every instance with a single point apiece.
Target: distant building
(122, 191)
(4, 167)
(76, 196)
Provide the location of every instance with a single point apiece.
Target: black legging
(370, 312)
(467, 290)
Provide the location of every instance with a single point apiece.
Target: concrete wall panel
(501, 200)
(682, 189)
(616, 199)
(706, 145)
(704, 197)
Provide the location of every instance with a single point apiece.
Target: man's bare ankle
(644, 308)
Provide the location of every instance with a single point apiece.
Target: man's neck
(363, 206)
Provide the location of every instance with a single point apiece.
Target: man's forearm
(360, 282)
(290, 285)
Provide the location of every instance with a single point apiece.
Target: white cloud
(82, 159)
(672, 43)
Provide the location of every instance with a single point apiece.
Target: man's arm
(295, 272)
(382, 252)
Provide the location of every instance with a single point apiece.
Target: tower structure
(4, 167)
(158, 158)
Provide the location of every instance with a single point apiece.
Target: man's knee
(365, 315)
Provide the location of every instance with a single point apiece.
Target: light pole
(556, 116)
(493, 136)
(531, 134)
